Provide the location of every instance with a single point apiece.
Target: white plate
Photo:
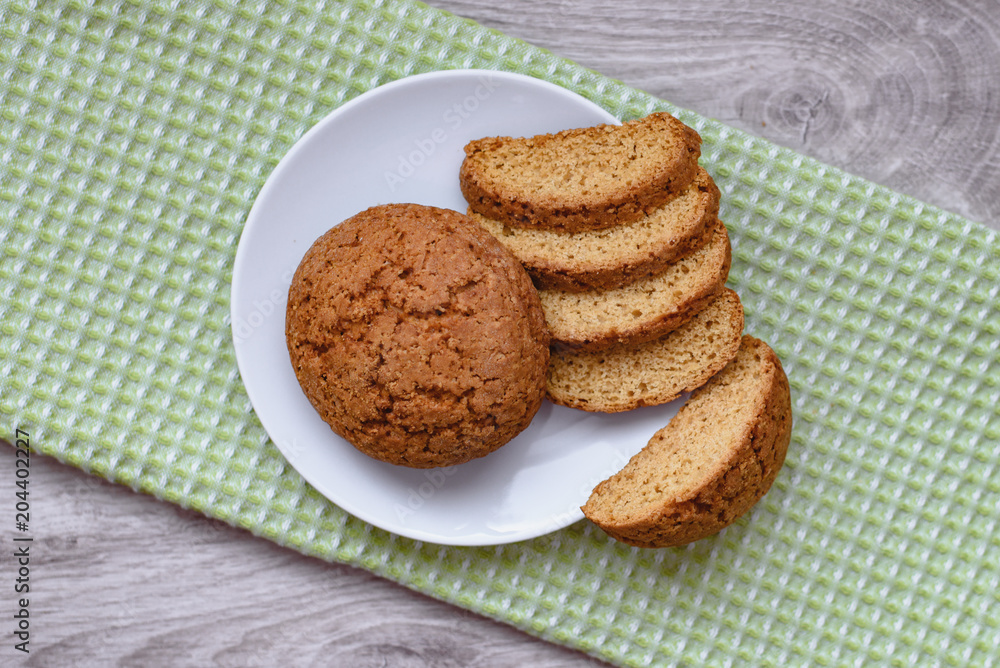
(402, 142)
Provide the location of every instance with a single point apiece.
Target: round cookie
(417, 336)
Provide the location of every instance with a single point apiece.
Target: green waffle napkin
(135, 137)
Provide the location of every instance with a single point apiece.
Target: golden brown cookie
(615, 256)
(627, 376)
(417, 336)
(715, 459)
(645, 309)
(583, 178)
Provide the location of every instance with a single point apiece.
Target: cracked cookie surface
(417, 336)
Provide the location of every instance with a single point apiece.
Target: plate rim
(472, 539)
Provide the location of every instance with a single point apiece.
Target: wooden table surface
(906, 94)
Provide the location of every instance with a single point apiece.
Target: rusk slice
(645, 309)
(612, 257)
(628, 376)
(581, 179)
(712, 462)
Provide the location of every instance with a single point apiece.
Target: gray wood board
(905, 94)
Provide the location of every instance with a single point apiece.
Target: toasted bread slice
(612, 257)
(645, 309)
(581, 179)
(628, 376)
(714, 460)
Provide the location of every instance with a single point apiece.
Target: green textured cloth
(134, 140)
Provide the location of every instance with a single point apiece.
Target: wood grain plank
(905, 94)
(122, 579)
